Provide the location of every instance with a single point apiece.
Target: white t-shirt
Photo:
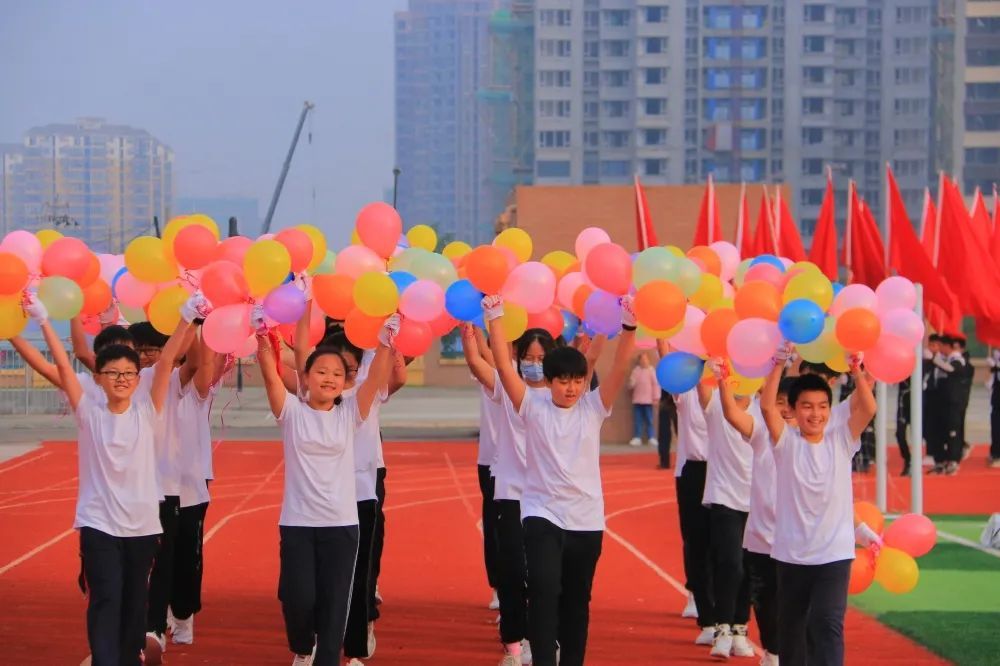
(319, 464)
(191, 429)
(491, 414)
(562, 481)
(118, 492)
(759, 533)
(363, 368)
(205, 436)
(91, 387)
(814, 503)
(168, 442)
(511, 459)
(692, 432)
(730, 461)
(367, 447)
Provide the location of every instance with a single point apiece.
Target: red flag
(980, 218)
(823, 252)
(789, 240)
(644, 232)
(744, 236)
(764, 241)
(908, 258)
(965, 264)
(864, 251)
(708, 230)
(995, 244)
(928, 227)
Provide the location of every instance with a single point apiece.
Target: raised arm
(593, 352)
(165, 366)
(484, 348)
(81, 350)
(769, 404)
(268, 364)
(70, 382)
(512, 383)
(612, 384)
(381, 367)
(208, 360)
(704, 394)
(190, 351)
(481, 370)
(36, 361)
(302, 346)
(397, 376)
(862, 401)
(738, 418)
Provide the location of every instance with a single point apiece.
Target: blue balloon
(570, 325)
(837, 287)
(289, 278)
(801, 321)
(769, 259)
(402, 279)
(114, 281)
(679, 372)
(463, 301)
(403, 241)
(479, 321)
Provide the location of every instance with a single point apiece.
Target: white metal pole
(881, 425)
(917, 419)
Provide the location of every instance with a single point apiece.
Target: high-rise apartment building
(978, 37)
(99, 182)
(443, 143)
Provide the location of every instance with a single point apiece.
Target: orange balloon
(862, 571)
(715, 329)
(487, 268)
(361, 329)
(580, 297)
(708, 258)
(758, 299)
(195, 246)
(92, 273)
(573, 268)
(868, 513)
(858, 329)
(660, 305)
(334, 294)
(96, 298)
(13, 274)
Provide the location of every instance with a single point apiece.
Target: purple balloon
(602, 313)
(752, 372)
(285, 304)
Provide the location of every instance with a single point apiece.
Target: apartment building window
(982, 91)
(874, 47)
(752, 139)
(905, 46)
(845, 17)
(591, 79)
(691, 137)
(691, 76)
(909, 107)
(844, 108)
(814, 44)
(778, 76)
(983, 57)
(549, 108)
(719, 18)
(591, 18)
(615, 168)
(591, 49)
(616, 18)
(911, 75)
(555, 17)
(590, 139)
(988, 156)
(691, 16)
(690, 107)
(812, 106)
(777, 137)
(778, 15)
(655, 107)
(843, 138)
(779, 46)
(812, 167)
(814, 75)
(873, 78)
(655, 75)
(812, 197)
(812, 136)
(753, 109)
(654, 137)
(909, 15)
(983, 25)
(718, 110)
(552, 168)
(615, 139)
(657, 14)
(555, 48)
(653, 45)
(616, 48)
(983, 122)
(845, 77)
(654, 167)
(591, 169)
(844, 47)
(554, 78)
(553, 139)
(691, 47)
(777, 166)
(690, 168)
(874, 17)
(718, 79)
(909, 167)
(615, 108)
(913, 138)
(617, 78)
(814, 13)
(871, 138)
(590, 110)
(752, 170)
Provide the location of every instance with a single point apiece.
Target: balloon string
(272, 335)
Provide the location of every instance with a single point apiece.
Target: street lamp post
(395, 183)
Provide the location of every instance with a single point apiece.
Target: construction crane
(306, 108)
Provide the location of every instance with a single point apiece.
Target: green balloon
(653, 263)
(61, 296)
(328, 264)
(688, 276)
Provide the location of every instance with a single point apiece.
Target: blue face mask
(532, 372)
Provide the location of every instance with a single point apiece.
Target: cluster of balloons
(895, 568)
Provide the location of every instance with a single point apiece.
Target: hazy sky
(222, 83)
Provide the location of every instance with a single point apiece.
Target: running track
(432, 580)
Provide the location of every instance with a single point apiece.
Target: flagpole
(711, 210)
(882, 389)
(917, 418)
(740, 221)
(849, 231)
(937, 225)
(775, 220)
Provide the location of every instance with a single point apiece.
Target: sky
(222, 82)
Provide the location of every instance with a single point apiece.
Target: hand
(304, 282)
(855, 361)
(783, 353)
(627, 303)
(867, 538)
(390, 329)
(196, 307)
(109, 316)
(257, 322)
(34, 308)
(468, 334)
(719, 368)
(492, 307)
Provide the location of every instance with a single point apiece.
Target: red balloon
(317, 328)
(443, 325)
(912, 533)
(299, 246)
(414, 337)
(550, 320)
(379, 228)
(195, 246)
(68, 257)
(232, 249)
(862, 571)
(609, 267)
(223, 283)
(93, 272)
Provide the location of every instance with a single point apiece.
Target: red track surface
(433, 582)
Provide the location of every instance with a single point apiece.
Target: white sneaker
(741, 644)
(183, 631)
(723, 643)
(156, 645)
(511, 660)
(706, 637)
(355, 662)
(769, 659)
(497, 621)
(635, 441)
(378, 597)
(302, 660)
(691, 608)
(171, 620)
(525, 652)
(371, 639)
(652, 441)
(494, 602)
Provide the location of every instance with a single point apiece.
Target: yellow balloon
(896, 571)
(811, 286)
(805, 266)
(47, 236)
(720, 304)
(745, 385)
(147, 260)
(514, 321)
(12, 317)
(659, 335)
(319, 245)
(376, 294)
(266, 265)
(422, 236)
(709, 292)
(558, 261)
(837, 361)
(676, 251)
(516, 240)
(355, 238)
(820, 349)
(456, 249)
(165, 309)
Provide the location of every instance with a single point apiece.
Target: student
(902, 423)
(645, 392)
(994, 387)
(727, 496)
(319, 514)
(964, 375)
(562, 505)
(936, 402)
(666, 428)
(814, 512)
(118, 493)
(759, 534)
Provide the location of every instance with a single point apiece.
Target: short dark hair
(532, 335)
(113, 352)
(113, 335)
(821, 369)
(934, 337)
(146, 336)
(564, 363)
(959, 341)
(785, 385)
(805, 383)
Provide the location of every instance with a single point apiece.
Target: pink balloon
(532, 285)
(422, 301)
(752, 342)
(510, 256)
(567, 287)
(911, 533)
(786, 261)
(232, 250)
(110, 265)
(248, 347)
(853, 296)
(609, 267)
(729, 256)
(904, 323)
(223, 283)
(354, 260)
(265, 237)
(688, 339)
(588, 239)
(25, 245)
(728, 291)
(225, 329)
(765, 273)
(891, 360)
(754, 372)
(896, 292)
(132, 292)
(379, 226)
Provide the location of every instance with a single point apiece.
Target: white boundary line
(34, 551)
(962, 541)
(43, 454)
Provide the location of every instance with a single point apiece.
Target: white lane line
(43, 454)
(260, 486)
(35, 551)
(954, 538)
(458, 486)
